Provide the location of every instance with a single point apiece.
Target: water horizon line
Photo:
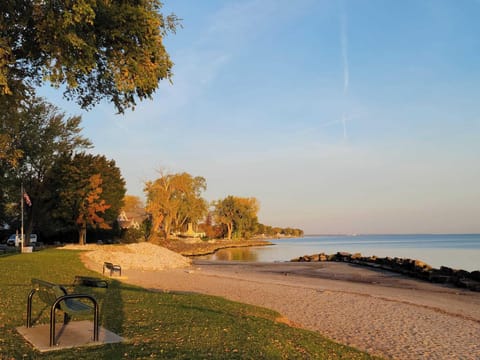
(389, 234)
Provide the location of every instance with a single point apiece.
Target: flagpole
(21, 229)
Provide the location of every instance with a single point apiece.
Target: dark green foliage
(277, 231)
(97, 49)
(157, 325)
(69, 180)
(35, 134)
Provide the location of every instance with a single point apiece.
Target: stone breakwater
(413, 268)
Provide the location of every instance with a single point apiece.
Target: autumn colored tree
(211, 230)
(224, 212)
(88, 192)
(91, 206)
(133, 205)
(238, 215)
(96, 49)
(246, 220)
(192, 207)
(173, 199)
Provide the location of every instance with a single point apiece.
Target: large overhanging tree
(97, 49)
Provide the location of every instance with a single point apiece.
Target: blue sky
(338, 116)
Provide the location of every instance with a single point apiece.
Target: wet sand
(376, 311)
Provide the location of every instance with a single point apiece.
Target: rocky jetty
(409, 267)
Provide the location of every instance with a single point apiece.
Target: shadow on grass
(158, 325)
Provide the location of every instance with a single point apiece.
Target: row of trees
(73, 190)
(175, 200)
(69, 189)
(45, 155)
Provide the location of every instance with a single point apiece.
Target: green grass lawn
(156, 325)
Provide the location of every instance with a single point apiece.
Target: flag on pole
(27, 199)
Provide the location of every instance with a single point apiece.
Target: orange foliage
(93, 204)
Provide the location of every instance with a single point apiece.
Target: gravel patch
(139, 256)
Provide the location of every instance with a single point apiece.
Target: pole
(21, 228)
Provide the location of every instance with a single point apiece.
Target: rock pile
(409, 267)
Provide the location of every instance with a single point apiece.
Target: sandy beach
(379, 312)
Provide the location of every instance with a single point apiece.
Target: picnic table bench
(113, 268)
(56, 297)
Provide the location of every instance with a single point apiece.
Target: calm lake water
(456, 251)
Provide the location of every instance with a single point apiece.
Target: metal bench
(56, 297)
(113, 268)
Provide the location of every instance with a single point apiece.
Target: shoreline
(380, 312)
(405, 266)
(192, 248)
(409, 267)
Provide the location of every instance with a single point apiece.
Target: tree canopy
(175, 199)
(133, 206)
(35, 134)
(238, 215)
(89, 192)
(96, 49)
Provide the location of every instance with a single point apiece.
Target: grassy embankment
(156, 324)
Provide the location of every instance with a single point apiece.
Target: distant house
(131, 220)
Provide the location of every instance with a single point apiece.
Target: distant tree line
(174, 202)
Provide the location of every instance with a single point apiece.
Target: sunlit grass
(155, 324)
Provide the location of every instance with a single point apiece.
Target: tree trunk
(82, 234)
(167, 225)
(229, 231)
(166, 228)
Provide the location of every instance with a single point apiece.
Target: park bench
(113, 268)
(56, 297)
